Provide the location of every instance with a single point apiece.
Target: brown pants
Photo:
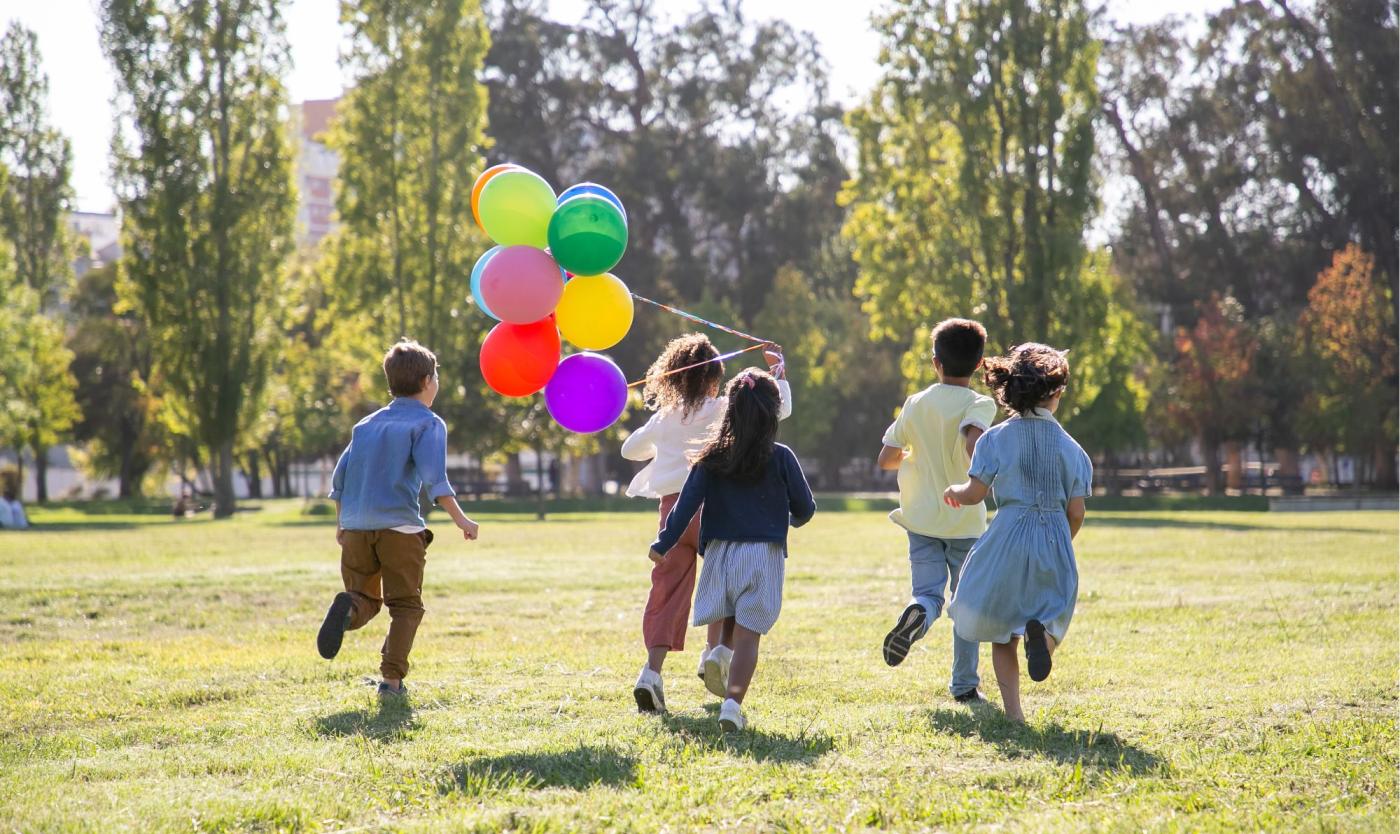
(386, 567)
(667, 614)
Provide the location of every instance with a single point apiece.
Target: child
(930, 443)
(688, 409)
(751, 488)
(1020, 579)
(383, 540)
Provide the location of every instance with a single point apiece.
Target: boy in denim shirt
(383, 540)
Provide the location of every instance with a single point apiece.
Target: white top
(669, 437)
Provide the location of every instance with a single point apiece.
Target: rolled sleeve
(338, 478)
(980, 415)
(984, 459)
(430, 458)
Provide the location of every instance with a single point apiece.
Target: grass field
(1225, 671)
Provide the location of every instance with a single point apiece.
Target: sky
(81, 84)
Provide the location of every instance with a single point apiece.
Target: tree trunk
(1210, 452)
(1288, 472)
(224, 500)
(515, 478)
(253, 476)
(1234, 465)
(539, 484)
(41, 475)
(124, 474)
(1385, 466)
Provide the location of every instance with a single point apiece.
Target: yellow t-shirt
(930, 430)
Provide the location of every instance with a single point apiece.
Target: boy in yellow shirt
(931, 443)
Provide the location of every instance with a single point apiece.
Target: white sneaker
(704, 656)
(716, 670)
(731, 717)
(648, 692)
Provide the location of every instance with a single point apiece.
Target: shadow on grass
(1186, 524)
(390, 722)
(755, 744)
(1092, 748)
(577, 769)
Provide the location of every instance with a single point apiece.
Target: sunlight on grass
(1225, 671)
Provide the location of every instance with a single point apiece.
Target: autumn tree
(1349, 326)
(203, 174)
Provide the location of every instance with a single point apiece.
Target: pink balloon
(521, 284)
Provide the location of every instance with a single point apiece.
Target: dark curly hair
(743, 444)
(688, 389)
(1026, 376)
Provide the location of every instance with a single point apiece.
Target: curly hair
(743, 444)
(1026, 376)
(687, 390)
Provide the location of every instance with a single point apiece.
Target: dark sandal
(1037, 651)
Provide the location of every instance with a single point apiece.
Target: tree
(1349, 326)
(1211, 389)
(1257, 149)
(204, 178)
(39, 159)
(409, 135)
(32, 205)
(112, 363)
(974, 185)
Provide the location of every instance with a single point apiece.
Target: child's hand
(950, 497)
(773, 355)
(340, 536)
(655, 557)
(468, 527)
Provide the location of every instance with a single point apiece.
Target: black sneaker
(971, 696)
(901, 637)
(1037, 651)
(332, 632)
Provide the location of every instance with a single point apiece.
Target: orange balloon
(481, 183)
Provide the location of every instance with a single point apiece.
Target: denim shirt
(392, 453)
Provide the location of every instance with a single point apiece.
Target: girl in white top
(688, 408)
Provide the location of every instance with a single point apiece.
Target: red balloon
(518, 359)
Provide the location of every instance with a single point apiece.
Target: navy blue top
(392, 453)
(738, 511)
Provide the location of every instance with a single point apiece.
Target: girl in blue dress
(1020, 580)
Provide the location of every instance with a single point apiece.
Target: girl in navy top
(752, 490)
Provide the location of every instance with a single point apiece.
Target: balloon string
(721, 358)
(683, 314)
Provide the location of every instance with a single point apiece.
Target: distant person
(748, 490)
(392, 454)
(683, 388)
(184, 505)
(931, 443)
(18, 520)
(7, 516)
(1020, 580)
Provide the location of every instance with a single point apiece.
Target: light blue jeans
(935, 564)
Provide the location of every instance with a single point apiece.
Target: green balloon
(515, 207)
(587, 234)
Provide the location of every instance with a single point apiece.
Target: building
(317, 165)
(98, 239)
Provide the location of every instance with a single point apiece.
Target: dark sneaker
(901, 637)
(1037, 651)
(387, 691)
(333, 627)
(971, 696)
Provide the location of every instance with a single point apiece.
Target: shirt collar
(407, 402)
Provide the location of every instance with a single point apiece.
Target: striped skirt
(743, 580)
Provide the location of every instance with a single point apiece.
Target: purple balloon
(587, 393)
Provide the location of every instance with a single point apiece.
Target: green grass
(1225, 671)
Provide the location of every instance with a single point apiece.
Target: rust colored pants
(672, 581)
(385, 567)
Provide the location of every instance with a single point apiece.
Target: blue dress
(1023, 567)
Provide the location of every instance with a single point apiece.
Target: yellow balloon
(595, 312)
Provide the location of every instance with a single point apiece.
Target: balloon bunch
(548, 276)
